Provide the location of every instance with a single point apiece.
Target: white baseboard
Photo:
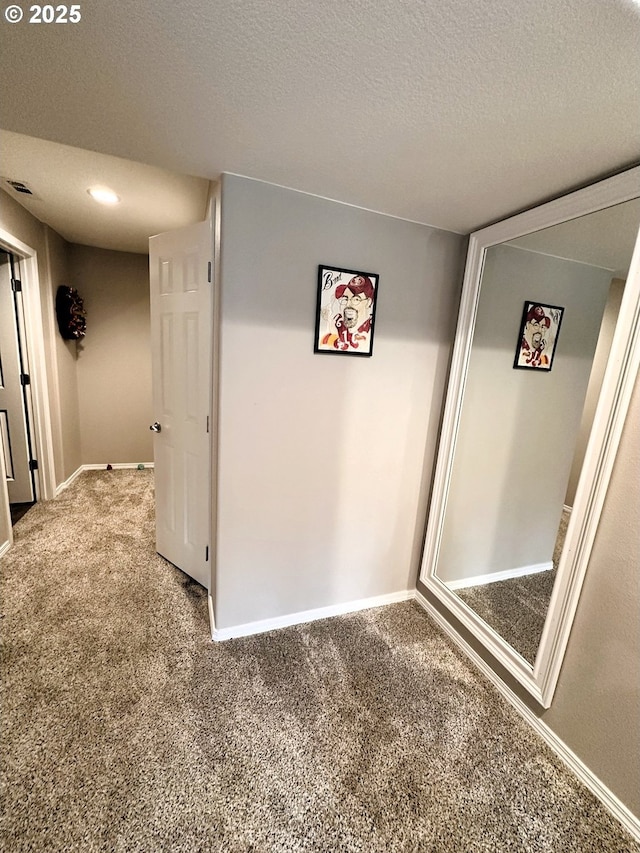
(4, 548)
(212, 618)
(67, 482)
(608, 799)
(300, 618)
(78, 471)
(506, 574)
(566, 508)
(117, 466)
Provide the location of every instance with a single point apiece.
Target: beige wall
(114, 359)
(596, 708)
(51, 252)
(67, 432)
(25, 227)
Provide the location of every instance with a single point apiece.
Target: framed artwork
(345, 311)
(538, 336)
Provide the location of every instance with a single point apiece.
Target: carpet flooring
(517, 608)
(125, 729)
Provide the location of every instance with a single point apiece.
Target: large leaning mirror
(544, 360)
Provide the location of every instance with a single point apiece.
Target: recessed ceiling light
(103, 195)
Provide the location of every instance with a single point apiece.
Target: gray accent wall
(519, 428)
(600, 359)
(325, 461)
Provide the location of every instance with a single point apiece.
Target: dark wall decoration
(70, 313)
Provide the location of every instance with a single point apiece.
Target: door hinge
(33, 464)
(209, 272)
(207, 423)
(16, 285)
(206, 554)
(25, 379)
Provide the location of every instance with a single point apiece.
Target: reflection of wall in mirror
(518, 428)
(609, 320)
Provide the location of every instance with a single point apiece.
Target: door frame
(214, 214)
(45, 480)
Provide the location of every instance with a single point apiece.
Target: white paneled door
(180, 264)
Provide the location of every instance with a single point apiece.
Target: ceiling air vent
(19, 186)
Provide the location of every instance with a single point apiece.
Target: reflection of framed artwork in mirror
(538, 336)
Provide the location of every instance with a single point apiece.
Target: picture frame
(345, 311)
(538, 336)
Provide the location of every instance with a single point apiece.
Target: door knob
(155, 427)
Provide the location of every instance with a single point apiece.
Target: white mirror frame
(619, 379)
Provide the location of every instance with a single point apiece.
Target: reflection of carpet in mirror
(517, 608)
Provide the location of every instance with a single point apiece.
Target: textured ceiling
(453, 114)
(603, 239)
(152, 200)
